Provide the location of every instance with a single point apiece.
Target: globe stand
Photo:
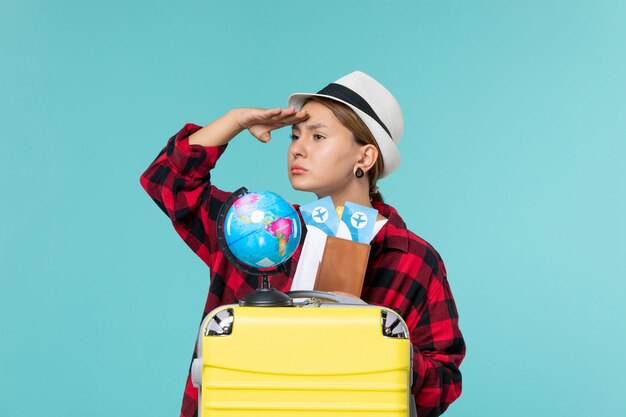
(266, 297)
(261, 297)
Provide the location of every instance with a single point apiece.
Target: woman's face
(322, 154)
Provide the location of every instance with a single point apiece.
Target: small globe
(261, 229)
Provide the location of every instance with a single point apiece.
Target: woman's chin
(300, 185)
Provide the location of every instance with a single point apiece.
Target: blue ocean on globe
(262, 230)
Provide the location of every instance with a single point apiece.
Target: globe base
(266, 297)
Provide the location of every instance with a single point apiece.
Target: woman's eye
(294, 137)
(318, 137)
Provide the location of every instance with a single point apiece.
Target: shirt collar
(394, 234)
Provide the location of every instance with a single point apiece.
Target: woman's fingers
(286, 113)
(265, 137)
(266, 120)
(271, 113)
(297, 117)
(250, 116)
(289, 117)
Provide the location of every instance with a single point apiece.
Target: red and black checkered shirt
(404, 272)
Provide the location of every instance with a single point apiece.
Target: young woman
(343, 140)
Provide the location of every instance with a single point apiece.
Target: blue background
(512, 168)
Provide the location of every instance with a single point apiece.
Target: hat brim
(388, 149)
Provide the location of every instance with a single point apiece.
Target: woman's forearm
(218, 132)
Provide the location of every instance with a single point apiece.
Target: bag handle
(328, 296)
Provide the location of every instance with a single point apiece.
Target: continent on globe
(245, 207)
(280, 229)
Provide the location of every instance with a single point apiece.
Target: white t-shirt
(311, 256)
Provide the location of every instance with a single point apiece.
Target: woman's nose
(297, 149)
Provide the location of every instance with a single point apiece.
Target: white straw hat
(374, 104)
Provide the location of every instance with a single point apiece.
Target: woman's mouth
(297, 169)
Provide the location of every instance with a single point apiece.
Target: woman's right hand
(260, 122)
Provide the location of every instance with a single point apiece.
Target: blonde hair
(362, 135)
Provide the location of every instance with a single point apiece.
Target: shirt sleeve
(178, 181)
(438, 346)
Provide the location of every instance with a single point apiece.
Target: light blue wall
(512, 168)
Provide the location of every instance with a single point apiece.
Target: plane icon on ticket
(320, 214)
(359, 220)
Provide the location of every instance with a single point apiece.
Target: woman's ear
(368, 157)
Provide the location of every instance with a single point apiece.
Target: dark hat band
(343, 93)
